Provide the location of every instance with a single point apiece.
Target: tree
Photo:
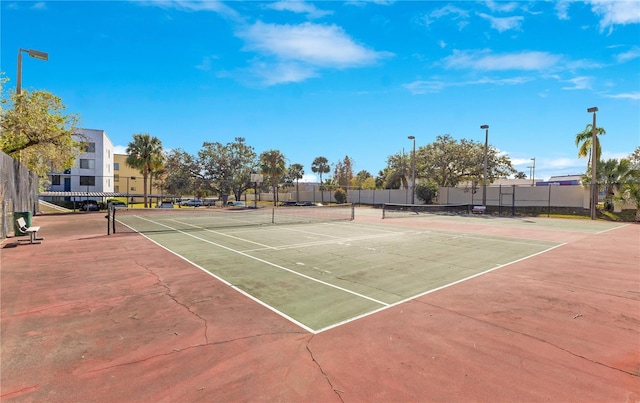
(180, 169)
(363, 180)
(296, 172)
(343, 171)
(320, 165)
(584, 141)
(35, 130)
(634, 157)
(226, 169)
(340, 195)
(520, 175)
(427, 191)
(272, 164)
(448, 162)
(397, 171)
(612, 175)
(631, 192)
(145, 154)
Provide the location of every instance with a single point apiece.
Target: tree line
(37, 130)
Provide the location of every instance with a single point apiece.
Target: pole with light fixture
(594, 178)
(484, 175)
(533, 175)
(33, 53)
(413, 170)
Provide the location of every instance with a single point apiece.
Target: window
(116, 178)
(116, 166)
(89, 147)
(87, 181)
(87, 164)
(116, 189)
(55, 179)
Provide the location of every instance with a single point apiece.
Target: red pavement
(87, 317)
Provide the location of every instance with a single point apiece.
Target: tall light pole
(413, 170)
(484, 174)
(33, 53)
(533, 176)
(594, 178)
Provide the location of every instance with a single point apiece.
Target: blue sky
(340, 78)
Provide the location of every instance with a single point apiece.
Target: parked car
(236, 204)
(116, 204)
(209, 202)
(192, 203)
(165, 204)
(89, 205)
(288, 203)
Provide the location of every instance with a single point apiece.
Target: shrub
(340, 195)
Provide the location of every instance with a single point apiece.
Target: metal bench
(32, 231)
(479, 209)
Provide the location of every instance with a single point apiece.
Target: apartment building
(93, 169)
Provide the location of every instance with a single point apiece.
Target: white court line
(434, 290)
(227, 235)
(269, 263)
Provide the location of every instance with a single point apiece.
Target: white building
(93, 169)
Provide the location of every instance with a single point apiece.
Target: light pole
(413, 170)
(484, 174)
(533, 176)
(33, 53)
(594, 178)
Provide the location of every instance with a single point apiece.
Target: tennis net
(189, 219)
(394, 210)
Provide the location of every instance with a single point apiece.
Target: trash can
(27, 218)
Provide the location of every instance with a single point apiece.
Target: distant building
(562, 180)
(93, 169)
(129, 181)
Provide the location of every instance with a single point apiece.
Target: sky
(340, 78)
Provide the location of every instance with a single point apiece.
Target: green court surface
(550, 224)
(323, 274)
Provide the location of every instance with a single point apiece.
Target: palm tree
(143, 154)
(320, 166)
(584, 141)
(296, 171)
(272, 164)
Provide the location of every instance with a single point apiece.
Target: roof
(98, 194)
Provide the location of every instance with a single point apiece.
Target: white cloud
(502, 6)
(502, 24)
(119, 149)
(193, 5)
(626, 95)
(282, 73)
(317, 45)
(299, 7)
(430, 86)
(631, 54)
(449, 12)
(485, 60)
(579, 83)
(562, 9)
(616, 12)
(206, 63)
(41, 5)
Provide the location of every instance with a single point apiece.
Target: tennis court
(318, 268)
(88, 316)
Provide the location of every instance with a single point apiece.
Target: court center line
(268, 263)
(227, 235)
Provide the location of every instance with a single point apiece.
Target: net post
(273, 215)
(108, 217)
(353, 212)
(113, 222)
